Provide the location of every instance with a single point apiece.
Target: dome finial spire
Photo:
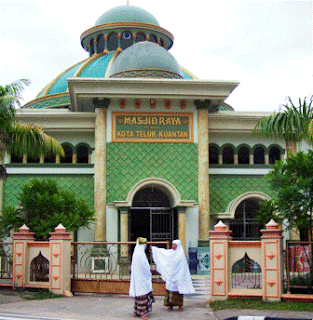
(127, 2)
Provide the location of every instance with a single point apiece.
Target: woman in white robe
(141, 281)
(174, 270)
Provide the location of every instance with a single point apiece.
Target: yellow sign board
(152, 127)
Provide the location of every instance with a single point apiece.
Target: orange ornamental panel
(218, 260)
(152, 127)
(55, 277)
(18, 265)
(271, 266)
(56, 254)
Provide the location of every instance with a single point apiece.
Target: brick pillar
(20, 258)
(219, 239)
(272, 270)
(60, 261)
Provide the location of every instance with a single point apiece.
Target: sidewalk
(112, 307)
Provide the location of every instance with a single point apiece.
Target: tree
(292, 179)
(42, 206)
(21, 139)
(292, 123)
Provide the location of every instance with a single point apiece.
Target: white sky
(265, 45)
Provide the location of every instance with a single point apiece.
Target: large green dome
(147, 60)
(127, 14)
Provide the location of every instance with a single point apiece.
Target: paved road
(120, 307)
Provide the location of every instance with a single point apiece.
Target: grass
(42, 295)
(260, 305)
(34, 294)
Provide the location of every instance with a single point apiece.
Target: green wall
(128, 163)
(225, 188)
(81, 185)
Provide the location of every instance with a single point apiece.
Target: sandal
(180, 309)
(169, 308)
(144, 317)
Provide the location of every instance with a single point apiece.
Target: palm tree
(292, 123)
(21, 139)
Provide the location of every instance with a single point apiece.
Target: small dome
(145, 60)
(127, 14)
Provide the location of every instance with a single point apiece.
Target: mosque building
(156, 151)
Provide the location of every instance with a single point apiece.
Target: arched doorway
(152, 216)
(245, 226)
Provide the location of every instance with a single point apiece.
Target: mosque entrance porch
(152, 217)
(155, 224)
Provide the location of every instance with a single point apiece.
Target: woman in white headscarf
(174, 270)
(141, 281)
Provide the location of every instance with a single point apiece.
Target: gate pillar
(272, 270)
(20, 258)
(219, 239)
(60, 261)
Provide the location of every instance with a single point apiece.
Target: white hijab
(140, 277)
(173, 267)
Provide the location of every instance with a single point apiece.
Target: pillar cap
(24, 234)
(272, 225)
(220, 226)
(60, 228)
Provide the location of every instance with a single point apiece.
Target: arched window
(92, 48)
(153, 38)
(259, 155)
(16, 159)
(82, 153)
(49, 159)
(245, 226)
(100, 44)
(140, 37)
(213, 154)
(68, 150)
(162, 43)
(39, 269)
(127, 39)
(243, 155)
(33, 160)
(274, 154)
(228, 155)
(112, 42)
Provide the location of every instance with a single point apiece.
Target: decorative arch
(140, 36)
(214, 151)
(243, 151)
(231, 208)
(82, 150)
(244, 223)
(259, 154)
(69, 150)
(228, 152)
(275, 152)
(166, 187)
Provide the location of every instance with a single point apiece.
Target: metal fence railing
(6, 263)
(107, 260)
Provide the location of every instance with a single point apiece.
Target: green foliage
(42, 206)
(292, 179)
(290, 123)
(21, 139)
